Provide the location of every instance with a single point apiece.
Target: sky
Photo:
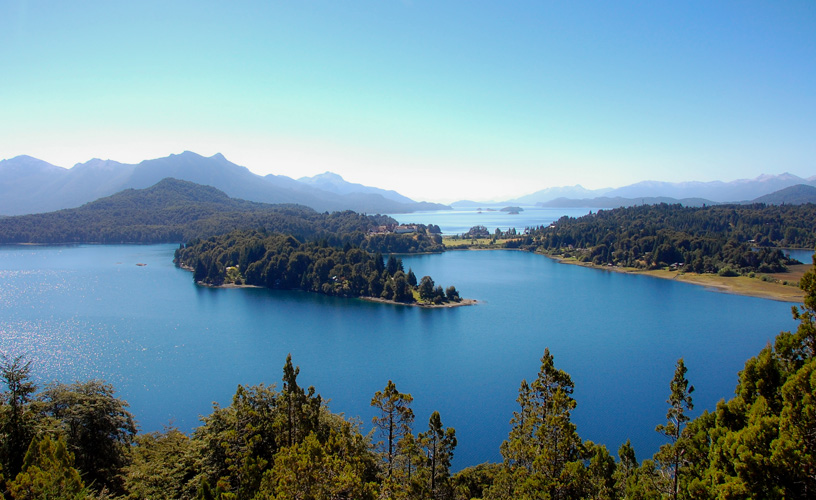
(439, 100)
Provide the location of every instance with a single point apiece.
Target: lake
(460, 220)
(171, 348)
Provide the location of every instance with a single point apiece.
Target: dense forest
(175, 211)
(280, 261)
(79, 441)
(723, 238)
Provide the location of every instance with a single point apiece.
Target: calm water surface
(462, 219)
(171, 348)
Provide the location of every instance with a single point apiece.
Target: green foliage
(671, 457)
(438, 443)
(281, 261)
(426, 288)
(173, 211)
(301, 409)
(48, 473)
(543, 452)
(17, 420)
(473, 482)
(335, 467)
(97, 426)
(163, 465)
(393, 423)
(734, 239)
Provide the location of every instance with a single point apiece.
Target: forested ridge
(175, 211)
(80, 441)
(274, 260)
(736, 238)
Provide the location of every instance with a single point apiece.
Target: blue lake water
(462, 219)
(171, 348)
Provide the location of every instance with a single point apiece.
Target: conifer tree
(671, 455)
(543, 451)
(48, 473)
(439, 444)
(16, 418)
(394, 421)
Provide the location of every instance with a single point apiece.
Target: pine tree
(543, 450)
(671, 454)
(394, 421)
(48, 473)
(439, 444)
(16, 418)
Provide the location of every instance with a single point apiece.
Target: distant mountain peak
(786, 176)
(326, 176)
(29, 185)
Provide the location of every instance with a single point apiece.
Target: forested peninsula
(236, 242)
(725, 238)
(79, 441)
(280, 261)
(709, 245)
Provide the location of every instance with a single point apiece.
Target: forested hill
(722, 238)
(175, 211)
(280, 261)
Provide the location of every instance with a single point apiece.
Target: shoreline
(463, 302)
(737, 285)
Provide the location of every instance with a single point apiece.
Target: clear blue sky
(440, 100)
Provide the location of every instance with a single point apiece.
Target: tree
(543, 451)
(627, 465)
(671, 455)
(439, 444)
(301, 408)
(394, 421)
(313, 469)
(795, 449)
(163, 465)
(48, 473)
(411, 460)
(795, 349)
(426, 288)
(394, 265)
(98, 428)
(411, 277)
(17, 421)
(239, 441)
(402, 291)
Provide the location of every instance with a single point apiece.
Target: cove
(171, 348)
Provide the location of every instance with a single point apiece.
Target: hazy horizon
(438, 101)
(480, 200)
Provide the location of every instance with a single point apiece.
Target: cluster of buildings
(394, 228)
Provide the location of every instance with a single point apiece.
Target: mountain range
(174, 211)
(29, 185)
(693, 193)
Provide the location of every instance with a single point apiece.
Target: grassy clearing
(773, 288)
(459, 244)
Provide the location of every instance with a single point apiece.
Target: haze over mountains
(693, 193)
(29, 185)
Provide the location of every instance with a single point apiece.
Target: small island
(279, 261)
(512, 210)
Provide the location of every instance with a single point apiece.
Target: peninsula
(280, 261)
(730, 248)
